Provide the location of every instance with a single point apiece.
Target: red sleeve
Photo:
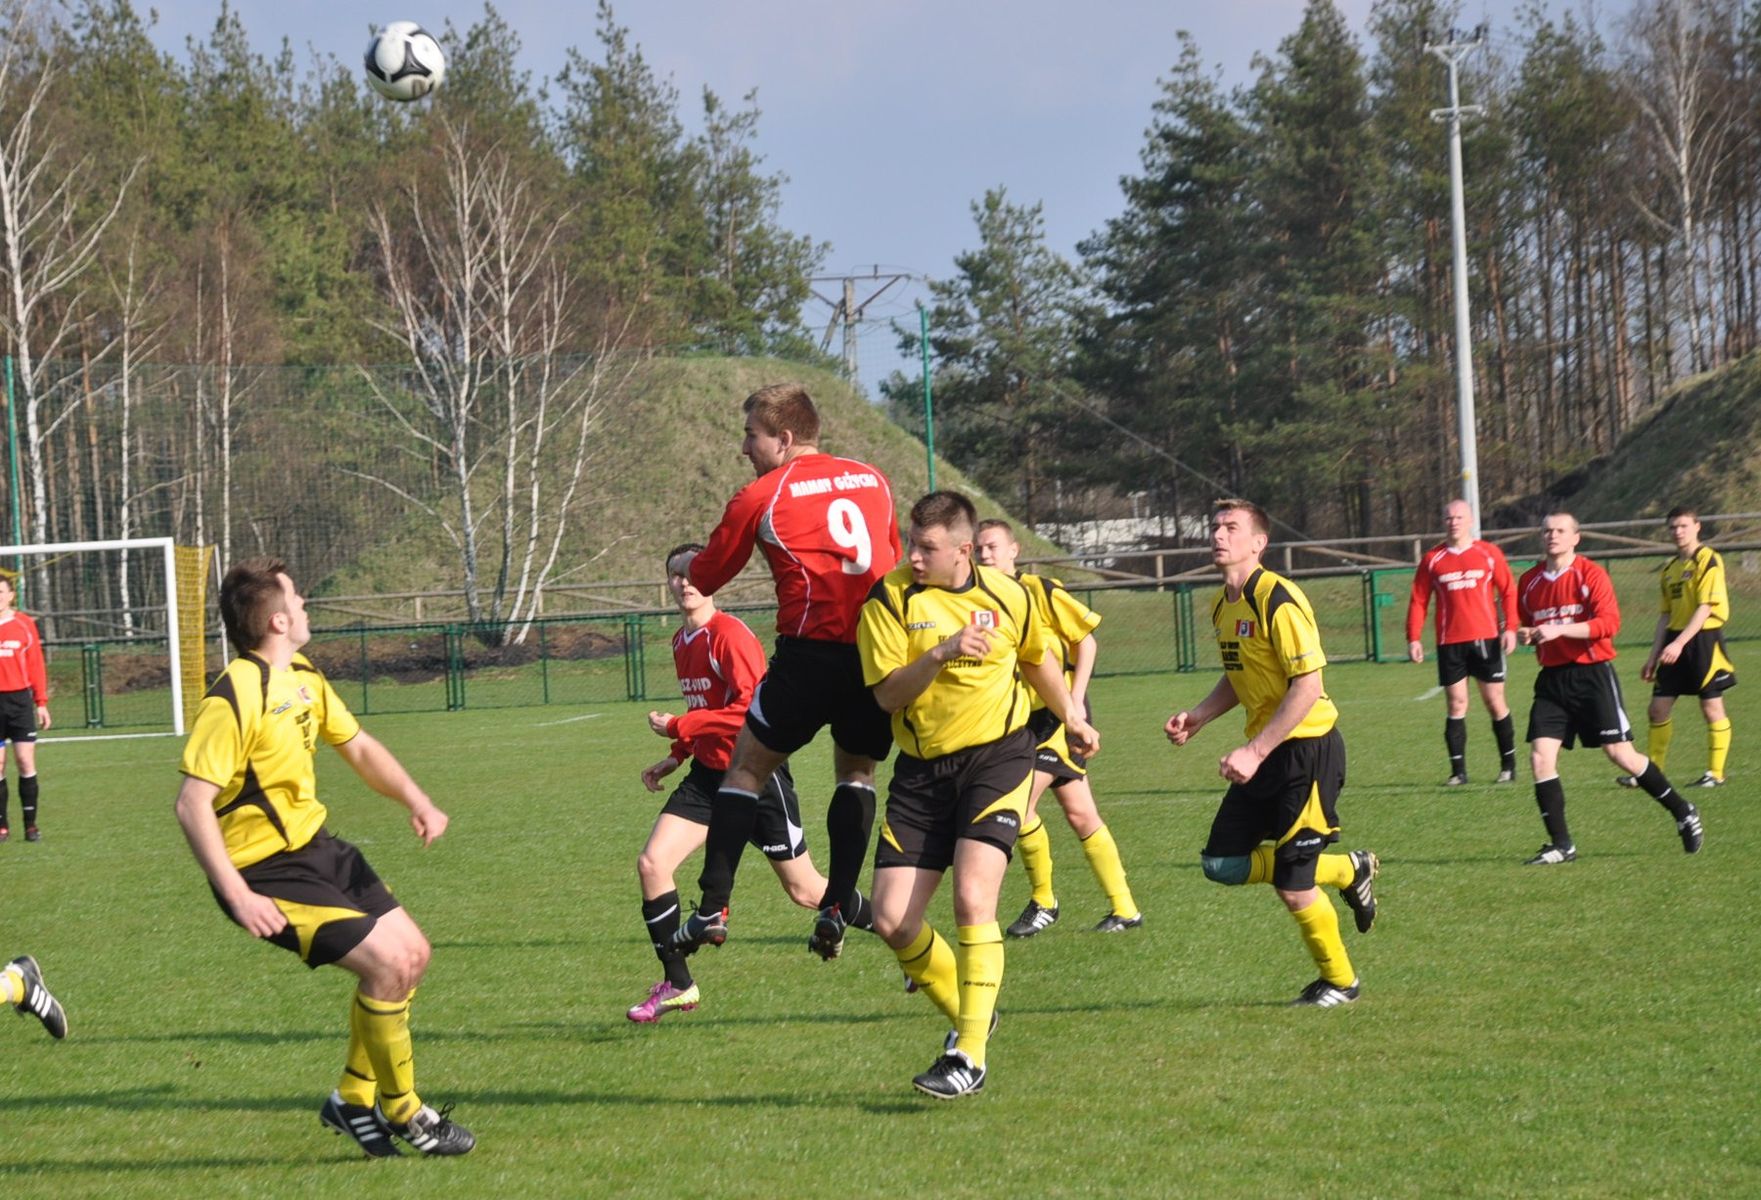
(1603, 603)
(742, 665)
(33, 660)
(1421, 597)
(730, 546)
(680, 750)
(1506, 586)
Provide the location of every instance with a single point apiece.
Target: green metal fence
(584, 660)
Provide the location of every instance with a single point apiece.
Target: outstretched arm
(382, 772)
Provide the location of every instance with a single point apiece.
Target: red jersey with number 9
(829, 532)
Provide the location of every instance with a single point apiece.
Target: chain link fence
(1149, 627)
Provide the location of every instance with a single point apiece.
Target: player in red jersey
(719, 663)
(1462, 572)
(24, 706)
(1569, 613)
(828, 529)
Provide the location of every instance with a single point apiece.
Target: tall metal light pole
(1451, 53)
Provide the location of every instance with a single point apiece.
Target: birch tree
(54, 211)
(481, 304)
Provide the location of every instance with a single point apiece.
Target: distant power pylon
(847, 310)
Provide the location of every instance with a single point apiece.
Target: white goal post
(167, 556)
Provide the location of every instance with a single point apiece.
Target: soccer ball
(404, 61)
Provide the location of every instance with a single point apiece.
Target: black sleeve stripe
(879, 592)
(1249, 590)
(1276, 598)
(1217, 608)
(223, 688)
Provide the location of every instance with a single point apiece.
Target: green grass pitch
(1587, 1030)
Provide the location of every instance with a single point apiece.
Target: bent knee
(1226, 868)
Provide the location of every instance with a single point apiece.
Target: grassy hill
(1701, 447)
(668, 458)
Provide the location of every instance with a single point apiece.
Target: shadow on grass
(169, 1097)
(158, 1165)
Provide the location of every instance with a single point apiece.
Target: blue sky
(890, 117)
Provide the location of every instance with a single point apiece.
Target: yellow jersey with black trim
(971, 701)
(1070, 621)
(1267, 638)
(1689, 582)
(255, 733)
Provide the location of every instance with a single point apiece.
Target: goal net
(125, 631)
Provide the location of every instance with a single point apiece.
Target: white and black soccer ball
(404, 61)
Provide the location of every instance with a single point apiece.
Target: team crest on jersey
(1244, 629)
(305, 693)
(986, 618)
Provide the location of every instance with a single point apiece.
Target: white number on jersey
(844, 522)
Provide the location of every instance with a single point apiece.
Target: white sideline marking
(1434, 691)
(568, 720)
(75, 739)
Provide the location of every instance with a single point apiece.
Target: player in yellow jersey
(21, 985)
(1057, 766)
(1284, 781)
(945, 645)
(249, 808)
(1687, 652)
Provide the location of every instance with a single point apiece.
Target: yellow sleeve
(1709, 588)
(1071, 619)
(339, 724)
(215, 751)
(1665, 605)
(880, 637)
(1295, 640)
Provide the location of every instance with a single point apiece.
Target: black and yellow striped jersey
(971, 701)
(1069, 618)
(1687, 583)
(255, 733)
(1267, 638)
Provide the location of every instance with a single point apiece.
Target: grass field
(1587, 1030)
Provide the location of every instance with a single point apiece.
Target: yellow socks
(383, 1030)
(11, 985)
(1035, 846)
(929, 960)
(1717, 746)
(1320, 933)
(1334, 870)
(359, 1084)
(1261, 871)
(1658, 744)
(980, 958)
(1103, 859)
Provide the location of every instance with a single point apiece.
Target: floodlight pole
(1451, 53)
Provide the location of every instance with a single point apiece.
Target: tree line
(1270, 313)
(435, 300)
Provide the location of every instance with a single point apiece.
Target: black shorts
(979, 792)
(310, 885)
(1703, 669)
(777, 832)
(1052, 752)
(812, 684)
(18, 716)
(1482, 658)
(1579, 703)
(1291, 800)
